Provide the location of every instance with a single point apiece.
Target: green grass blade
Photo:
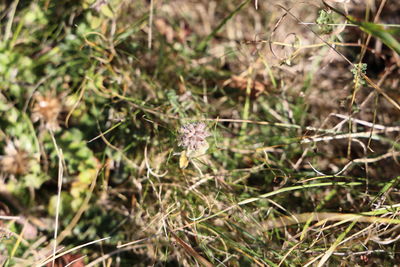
(297, 187)
(379, 32)
(203, 44)
(387, 186)
(373, 29)
(329, 252)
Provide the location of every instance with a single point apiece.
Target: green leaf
(373, 29)
(379, 32)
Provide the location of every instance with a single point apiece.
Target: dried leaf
(183, 160)
(76, 260)
(238, 82)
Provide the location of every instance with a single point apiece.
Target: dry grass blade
(60, 177)
(323, 217)
(67, 231)
(9, 217)
(330, 251)
(52, 258)
(191, 251)
(108, 255)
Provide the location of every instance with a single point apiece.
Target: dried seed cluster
(47, 108)
(193, 136)
(15, 161)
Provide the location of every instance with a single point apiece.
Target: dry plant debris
(185, 133)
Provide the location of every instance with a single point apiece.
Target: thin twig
(151, 23)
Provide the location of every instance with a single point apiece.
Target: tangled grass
(184, 133)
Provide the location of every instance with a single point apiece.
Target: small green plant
(358, 71)
(324, 21)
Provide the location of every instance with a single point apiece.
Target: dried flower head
(15, 161)
(193, 136)
(47, 108)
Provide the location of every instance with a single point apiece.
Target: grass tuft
(199, 133)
